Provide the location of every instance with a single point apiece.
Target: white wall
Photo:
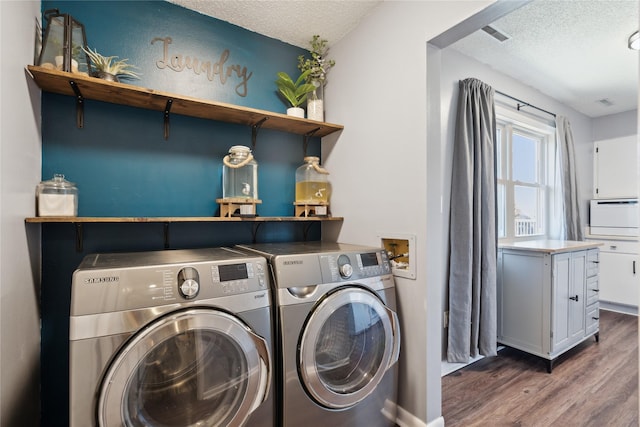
(20, 164)
(378, 168)
(455, 67)
(615, 125)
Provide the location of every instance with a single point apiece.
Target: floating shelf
(87, 220)
(84, 87)
(79, 221)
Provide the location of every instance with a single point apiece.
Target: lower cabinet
(547, 301)
(619, 273)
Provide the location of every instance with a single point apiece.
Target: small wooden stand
(311, 209)
(245, 207)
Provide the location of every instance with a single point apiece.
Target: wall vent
(496, 34)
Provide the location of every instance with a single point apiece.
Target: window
(523, 167)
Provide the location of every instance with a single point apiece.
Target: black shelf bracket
(254, 132)
(305, 140)
(79, 237)
(167, 109)
(79, 104)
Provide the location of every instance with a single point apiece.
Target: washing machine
(171, 338)
(338, 336)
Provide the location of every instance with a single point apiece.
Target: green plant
(318, 65)
(109, 64)
(295, 93)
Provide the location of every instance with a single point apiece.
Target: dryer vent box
(401, 250)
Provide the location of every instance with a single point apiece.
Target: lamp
(634, 41)
(63, 42)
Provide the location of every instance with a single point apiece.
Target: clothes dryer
(338, 334)
(171, 338)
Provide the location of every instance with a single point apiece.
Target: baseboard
(619, 308)
(407, 419)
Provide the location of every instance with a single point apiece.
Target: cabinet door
(569, 270)
(615, 168)
(619, 278)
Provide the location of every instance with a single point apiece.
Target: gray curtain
(568, 188)
(472, 233)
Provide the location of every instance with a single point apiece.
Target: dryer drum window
(200, 367)
(346, 347)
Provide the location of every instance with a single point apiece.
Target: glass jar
(239, 174)
(57, 197)
(312, 183)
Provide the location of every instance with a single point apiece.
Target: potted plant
(295, 93)
(318, 66)
(108, 68)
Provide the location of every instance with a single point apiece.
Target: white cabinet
(547, 298)
(615, 168)
(619, 274)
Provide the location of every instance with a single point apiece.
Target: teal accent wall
(123, 166)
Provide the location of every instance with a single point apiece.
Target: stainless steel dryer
(338, 334)
(171, 338)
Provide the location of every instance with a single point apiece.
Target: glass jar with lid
(57, 197)
(312, 182)
(239, 174)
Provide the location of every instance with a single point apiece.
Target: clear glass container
(312, 182)
(239, 174)
(57, 197)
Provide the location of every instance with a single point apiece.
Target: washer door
(197, 367)
(349, 341)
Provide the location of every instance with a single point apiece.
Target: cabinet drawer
(593, 290)
(592, 320)
(619, 246)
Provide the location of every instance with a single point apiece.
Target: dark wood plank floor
(595, 384)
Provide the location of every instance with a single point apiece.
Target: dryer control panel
(337, 267)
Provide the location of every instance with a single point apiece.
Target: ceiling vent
(496, 34)
(605, 102)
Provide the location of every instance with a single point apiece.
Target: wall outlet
(445, 320)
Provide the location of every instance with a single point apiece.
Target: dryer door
(349, 341)
(197, 367)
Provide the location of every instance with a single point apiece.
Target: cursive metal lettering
(212, 70)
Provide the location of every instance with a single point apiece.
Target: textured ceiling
(574, 51)
(291, 21)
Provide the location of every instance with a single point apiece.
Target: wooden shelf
(135, 96)
(87, 220)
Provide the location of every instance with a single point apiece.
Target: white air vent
(496, 33)
(605, 102)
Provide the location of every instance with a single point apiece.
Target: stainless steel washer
(171, 338)
(338, 334)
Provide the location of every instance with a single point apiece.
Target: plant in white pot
(295, 93)
(108, 68)
(318, 66)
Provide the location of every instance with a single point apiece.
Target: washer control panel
(239, 278)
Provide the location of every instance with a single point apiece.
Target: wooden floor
(595, 384)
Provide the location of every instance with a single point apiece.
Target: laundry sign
(216, 71)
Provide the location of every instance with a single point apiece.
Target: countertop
(549, 246)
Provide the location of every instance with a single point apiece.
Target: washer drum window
(196, 367)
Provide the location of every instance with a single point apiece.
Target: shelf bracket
(166, 235)
(167, 109)
(254, 231)
(79, 104)
(79, 237)
(305, 140)
(254, 132)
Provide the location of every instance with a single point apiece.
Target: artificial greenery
(318, 65)
(295, 93)
(108, 64)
